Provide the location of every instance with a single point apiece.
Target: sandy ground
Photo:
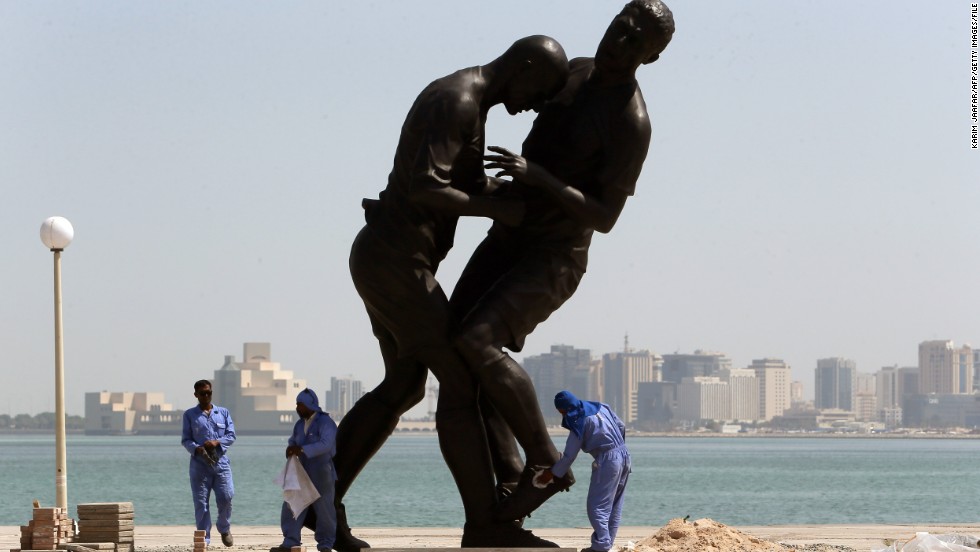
(859, 537)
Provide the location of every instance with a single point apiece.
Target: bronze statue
(580, 163)
(438, 176)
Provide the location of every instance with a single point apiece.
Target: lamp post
(56, 234)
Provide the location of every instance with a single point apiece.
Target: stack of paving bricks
(106, 522)
(48, 528)
(90, 547)
(199, 544)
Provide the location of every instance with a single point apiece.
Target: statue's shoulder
(578, 64)
(452, 95)
(580, 69)
(632, 113)
(637, 112)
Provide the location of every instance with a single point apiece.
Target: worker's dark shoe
(345, 540)
(280, 549)
(502, 535)
(526, 498)
(227, 539)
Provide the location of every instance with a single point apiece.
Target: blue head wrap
(308, 397)
(576, 411)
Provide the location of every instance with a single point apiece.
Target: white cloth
(297, 489)
(538, 470)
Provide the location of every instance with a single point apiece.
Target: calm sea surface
(743, 481)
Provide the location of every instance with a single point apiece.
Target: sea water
(737, 481)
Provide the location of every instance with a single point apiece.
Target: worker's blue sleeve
(622, 426)
(228, 438)
(572, 445)
(187, 434)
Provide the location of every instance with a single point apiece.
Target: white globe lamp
(56, 233)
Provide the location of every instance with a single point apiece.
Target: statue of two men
(579, 164)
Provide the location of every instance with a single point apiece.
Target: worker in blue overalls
(207, 433)
(314, 440)
(596, 429)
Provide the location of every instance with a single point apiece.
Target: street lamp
(56, 234)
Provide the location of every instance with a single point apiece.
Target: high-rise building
(942, 411)
(908, 381)
(774, 379)
(865, 407)
(703, 398)
(888, 396)
(656, 403)
(743, 394)
(340, 398)
(622, 374)
(596, 385)
(796, 393)
(702, 363)
(887, 387)
(864, 383)
(259, 393)
(944, 369)
(835, 382)
(564, 367)
(976, 369)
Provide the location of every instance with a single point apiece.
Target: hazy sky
(810, 189)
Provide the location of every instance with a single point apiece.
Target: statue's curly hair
(659, 10)
(663, 17)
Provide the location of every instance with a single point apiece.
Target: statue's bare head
(536, 69)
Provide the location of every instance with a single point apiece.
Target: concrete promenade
(859, 537)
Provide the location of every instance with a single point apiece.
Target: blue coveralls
(604, 437)
(319, 444)
(198, 428)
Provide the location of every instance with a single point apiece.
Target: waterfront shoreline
(740, 482)
(861, 537)
(561, 432)
(787, 435)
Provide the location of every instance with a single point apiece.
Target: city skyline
(341, 382)
(652, 391)
(798, 201)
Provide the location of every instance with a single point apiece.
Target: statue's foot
(527, 497)
(502, 535)
(346, 541)
(504, 490)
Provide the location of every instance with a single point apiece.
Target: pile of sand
(704, 535)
